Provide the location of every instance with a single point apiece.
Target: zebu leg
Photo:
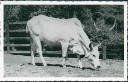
(64, 52)
(32, 53)
(32, 50)
(79, 60)
(33, 60)
(39, 49)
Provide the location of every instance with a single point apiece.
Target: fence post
(7, 37)
(104, 51)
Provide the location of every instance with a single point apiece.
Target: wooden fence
(13, 29)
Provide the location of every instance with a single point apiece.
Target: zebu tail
(28, 27)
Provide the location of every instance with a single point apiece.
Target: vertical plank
(104, 51)
(7, 38)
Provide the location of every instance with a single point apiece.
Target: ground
(20, 66)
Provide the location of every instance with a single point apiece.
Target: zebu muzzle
(95, 63)
(93, 57)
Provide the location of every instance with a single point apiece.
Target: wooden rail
(13, 23)
(45, 52)
(11, 38)
(20, 45)
(22, 30)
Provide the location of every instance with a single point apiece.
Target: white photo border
(2, 3)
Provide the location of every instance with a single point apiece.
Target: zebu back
(53, 29)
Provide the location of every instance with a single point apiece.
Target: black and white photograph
(65, 40)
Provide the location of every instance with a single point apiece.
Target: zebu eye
(93, 55)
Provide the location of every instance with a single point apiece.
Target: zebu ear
(91, 46)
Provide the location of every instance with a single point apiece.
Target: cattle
(67, 33)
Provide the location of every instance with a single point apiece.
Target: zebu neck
(84, 38)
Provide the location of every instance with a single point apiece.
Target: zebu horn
(99, 44)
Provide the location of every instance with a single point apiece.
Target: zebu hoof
(45, 64)
(64, 66)
(33, 64)
(81, 68)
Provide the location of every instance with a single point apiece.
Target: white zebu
(68, 33)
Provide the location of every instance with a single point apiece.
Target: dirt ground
(20, 66)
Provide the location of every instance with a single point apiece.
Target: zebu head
(93, 56)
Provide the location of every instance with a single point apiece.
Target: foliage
(96, 19)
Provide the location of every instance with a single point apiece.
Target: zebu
(68, 33)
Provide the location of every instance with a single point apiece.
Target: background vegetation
(101, 22)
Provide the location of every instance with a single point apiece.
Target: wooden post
(104, 51)
(74, 12)
(7, 37)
